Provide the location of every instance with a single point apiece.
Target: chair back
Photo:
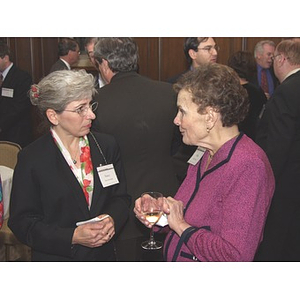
(10, 247)
(9, 154)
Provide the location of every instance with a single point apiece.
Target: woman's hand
(94, 234)
(138, 211)
(175, 215)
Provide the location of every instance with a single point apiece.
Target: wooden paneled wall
(160, 58)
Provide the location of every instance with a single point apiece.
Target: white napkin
(93, 220)
(163, 221)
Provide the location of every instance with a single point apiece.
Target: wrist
(74, 237)
(182, 227)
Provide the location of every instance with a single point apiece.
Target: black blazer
(279, 135)
(58, 65)
(15, 111)
(139, 112)
(257, 99)
(47, 201)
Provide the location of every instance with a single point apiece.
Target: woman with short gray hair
(67, 177)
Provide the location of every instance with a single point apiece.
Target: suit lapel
(97, 159)
(9, 75)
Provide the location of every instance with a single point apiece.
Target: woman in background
(244, 64)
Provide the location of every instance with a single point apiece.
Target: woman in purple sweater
(219, 211)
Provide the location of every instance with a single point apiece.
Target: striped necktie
(264, 81)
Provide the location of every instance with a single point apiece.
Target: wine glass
(151, 206)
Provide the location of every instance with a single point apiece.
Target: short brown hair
(244, 64)
(217, 86)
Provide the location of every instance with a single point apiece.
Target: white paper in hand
(92, 220)
(163, 221)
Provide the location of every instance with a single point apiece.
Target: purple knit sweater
(229, 208)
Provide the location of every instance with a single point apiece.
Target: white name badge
(107, 175)
(7, 92)
(196, 156)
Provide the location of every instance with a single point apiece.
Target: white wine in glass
(151, 205)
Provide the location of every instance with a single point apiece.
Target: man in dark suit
(266, 79)
(198, 51)
(15, 106)
(68, 52)
(89, 48)
(139, 112)
(279, 135)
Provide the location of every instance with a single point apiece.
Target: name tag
(107, 175)
(7, 92)
(196, 156)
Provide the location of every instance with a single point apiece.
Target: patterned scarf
(84, 175)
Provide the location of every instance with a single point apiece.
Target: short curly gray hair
(59, 88)
(217, 86)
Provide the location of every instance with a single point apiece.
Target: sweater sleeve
(245, 203)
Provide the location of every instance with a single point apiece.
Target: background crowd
(250, 114)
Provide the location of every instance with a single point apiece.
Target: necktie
(264, 81)
(1, 79)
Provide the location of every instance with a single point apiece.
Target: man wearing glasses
(263, 53)
(68, 52)
(279, 136)
(201, 50)
(198, 50)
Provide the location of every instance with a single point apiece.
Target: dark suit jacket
(139, 112)
(15, 114)
(58, 65)
(47, 200)
(257, 100)
(175, 78)
(279, 136)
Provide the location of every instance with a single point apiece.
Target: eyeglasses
(273, 57)
(82, 111)
(209, 48)
(77, 51)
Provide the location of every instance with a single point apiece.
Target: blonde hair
(291, 49)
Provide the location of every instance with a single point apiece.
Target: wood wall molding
(159, 57)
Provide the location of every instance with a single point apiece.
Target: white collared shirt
(291, 73)
(5, 72)
(66, 63)
(101, 81)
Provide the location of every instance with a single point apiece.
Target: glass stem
(151, 240)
